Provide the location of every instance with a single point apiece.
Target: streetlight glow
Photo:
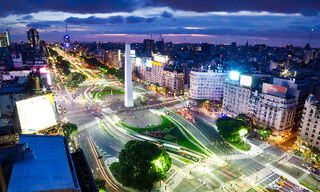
(243, 132)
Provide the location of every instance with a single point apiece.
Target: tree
(229, 128)
(101, 184)
(142, 164)
(69, 129)
(75, 78)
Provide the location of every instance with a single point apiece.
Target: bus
(171, 148)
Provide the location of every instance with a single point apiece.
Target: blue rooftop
(48, 170)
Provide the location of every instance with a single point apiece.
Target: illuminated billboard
(36, 113)
(276, 90)
(245, 80)
(160, 58)
(138, 61)
(148, 63)
(234, 75)
(132, 53)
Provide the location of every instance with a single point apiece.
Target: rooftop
(50, 169)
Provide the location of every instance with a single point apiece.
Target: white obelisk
(128, 94)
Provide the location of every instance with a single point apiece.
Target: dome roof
(311, 99)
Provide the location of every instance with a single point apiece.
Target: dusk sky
(273, 22)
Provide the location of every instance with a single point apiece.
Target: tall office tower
(128, 100)
(148, 47)
(33, 37)
(5, 39)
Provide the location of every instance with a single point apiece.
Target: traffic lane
(200, 130)
(106, 142)
(83, 142)
(218, 144)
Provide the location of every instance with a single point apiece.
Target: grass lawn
(173, 134)
(94, 94)
(107, 91)
(242, 146)
(189, 135)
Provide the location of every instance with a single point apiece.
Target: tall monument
(128, 94)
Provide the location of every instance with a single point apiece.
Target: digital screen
(234, 75)
(245, 80)
(43, 70)
(160, 58)
(148, 63)
(36, 113)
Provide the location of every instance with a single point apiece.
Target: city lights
(234, 75)
(243, 132)
(245, 80)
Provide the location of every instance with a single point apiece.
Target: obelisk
(128, 92)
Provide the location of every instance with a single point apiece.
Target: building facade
(33, 37)
(207, 84)
(236, 98)
(5, 39)
(310, 123)
(270, 106)
(275, 112)
(174, 81)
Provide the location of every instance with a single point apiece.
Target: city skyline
(283, 23)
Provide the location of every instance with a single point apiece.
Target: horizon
(216, 22)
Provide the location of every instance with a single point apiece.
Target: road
(99, 137)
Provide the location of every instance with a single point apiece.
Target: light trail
(95, 154)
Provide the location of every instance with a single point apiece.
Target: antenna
(310, 37)
(151, 35)
(67, 29)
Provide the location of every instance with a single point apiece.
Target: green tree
(69, 129)
(142, 164)
(75, 78)
(229, 128)
(101, 184)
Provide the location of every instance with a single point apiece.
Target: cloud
(44, 24)
(109, 20)
(275, 6)
(88, 20)
(71, 6)
(116, 19)
(150, 19)
(307, 7)
(134, 19)
(26, 17)
(166, 14)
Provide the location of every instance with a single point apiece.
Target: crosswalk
(234, 157)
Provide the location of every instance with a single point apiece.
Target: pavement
(99, 137)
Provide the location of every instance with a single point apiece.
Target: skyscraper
(128, 102)
(33, 37)
(5, 39)
(148, 47)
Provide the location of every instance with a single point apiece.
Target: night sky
(273, 22)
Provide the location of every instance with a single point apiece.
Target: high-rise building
(5, 39)
(236, 98)
(33, 37)
(173, 80)
(207, 84)
(274, 108)
(148, 45)
(310, 122)
(128, 102)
